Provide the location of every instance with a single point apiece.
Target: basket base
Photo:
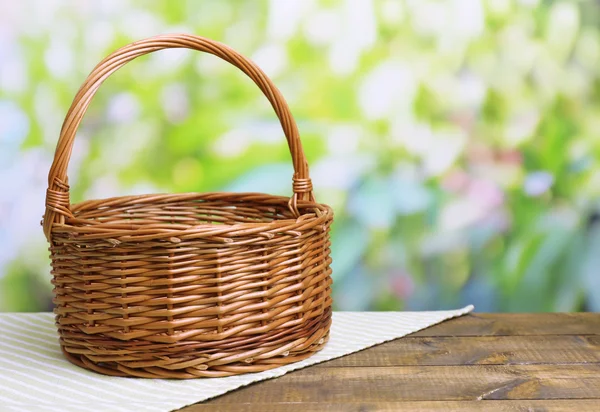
(201, 365)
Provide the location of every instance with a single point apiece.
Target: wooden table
(481, 362)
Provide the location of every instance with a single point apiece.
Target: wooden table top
(480, 362)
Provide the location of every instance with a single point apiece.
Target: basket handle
(57, 195)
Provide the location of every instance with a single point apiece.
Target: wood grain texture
(430, 383)
(517, 324)
(477, 350)
(560, 405)
(480, 362)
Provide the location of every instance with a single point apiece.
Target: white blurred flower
(416, 138)
(140, 24)
(103, 187)
(339, 172)
(123, 108)
(13, 74)
(561, 28)
(22, 206)
(517, 61)
(108, 7)
(547, 74)
(47, 111)
(121, 148)
(575, 82)
(168, 61)
(389, 89)
(42, 20)
(521, 127)
(537, 183)
(344, 139)
(443, 242)
(470, 91)
(448, 145)
(427, 17)
(587, 50)
(232, 143)
(499, 7)
(207, 66)
(14, 126)
(451, 21)
(343, 57)
(438, 149)
(272, 58)
(323, 27)
(358, 34)
(393, 11)
(285, 16)
(175, 102)
(59, 59)
(466, 18)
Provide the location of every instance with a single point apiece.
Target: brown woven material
(188, 285)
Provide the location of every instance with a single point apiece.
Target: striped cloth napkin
(34, 376)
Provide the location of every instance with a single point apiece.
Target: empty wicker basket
(188, 285)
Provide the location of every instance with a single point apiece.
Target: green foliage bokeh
(455, 140)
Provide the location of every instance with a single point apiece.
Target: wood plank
(477, 350)
(431, 383)
(520, 324)
(560, 405)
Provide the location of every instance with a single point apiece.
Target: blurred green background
(456, 140)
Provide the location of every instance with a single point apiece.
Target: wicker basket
(188, 285)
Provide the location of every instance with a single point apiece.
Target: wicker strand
(188, 285)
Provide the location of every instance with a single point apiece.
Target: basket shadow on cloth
(188, 285)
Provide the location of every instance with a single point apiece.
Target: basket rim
(116, 233)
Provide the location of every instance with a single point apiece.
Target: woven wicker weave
(188, 285)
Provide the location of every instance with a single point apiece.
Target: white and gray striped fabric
(34, 376)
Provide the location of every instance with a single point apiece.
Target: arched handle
(57, 195)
